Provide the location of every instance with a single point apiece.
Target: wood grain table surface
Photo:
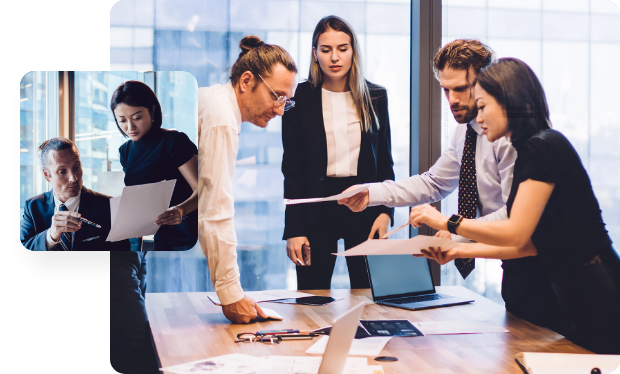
(188, 326)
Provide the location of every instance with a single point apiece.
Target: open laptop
(340, 340)
(405, 282)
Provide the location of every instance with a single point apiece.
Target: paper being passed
(133, 214)
(411, 246)
(343, 195)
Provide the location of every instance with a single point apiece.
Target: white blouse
(343, 133)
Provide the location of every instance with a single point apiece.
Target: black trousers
(590, 302)
(335, 222)
(528, 294)
(131, 344)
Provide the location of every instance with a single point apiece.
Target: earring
(153, 120)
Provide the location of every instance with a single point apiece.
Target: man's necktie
(67, 237)
(468, 193)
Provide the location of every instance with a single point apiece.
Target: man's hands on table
(245, 310)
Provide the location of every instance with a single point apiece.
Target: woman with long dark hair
(336, 136)
(552, 210)
(153, 154)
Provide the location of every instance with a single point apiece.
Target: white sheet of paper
(272, 314)
(398, 246)
(114, 204)
(329, 198)
(261, 296)
(308, 365)
(371, 346)
(236, 363)
(570, 363)
(457, 327)
(138, 209)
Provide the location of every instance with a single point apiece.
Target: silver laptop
(405, 282)
(340, 340)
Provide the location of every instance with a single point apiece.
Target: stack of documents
(565, 363)
(458, 327)
(245, 364)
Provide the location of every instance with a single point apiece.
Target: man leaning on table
(483, 173)
(261, 81)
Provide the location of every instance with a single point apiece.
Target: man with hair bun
(483, 173)
(262, 80)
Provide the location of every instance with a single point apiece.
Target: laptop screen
(396, 275)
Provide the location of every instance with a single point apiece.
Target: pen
(87, 221)
(393, 231)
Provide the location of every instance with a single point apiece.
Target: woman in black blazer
(336, 136)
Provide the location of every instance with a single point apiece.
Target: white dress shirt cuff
(230, 294)
(49, 242)
(376, 194)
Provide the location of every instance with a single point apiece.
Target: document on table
(330, 198)
(308, 365)
(360, 347)
(262, 296)
(133, 214)
(398, 246)
(236, 363)
(457, 327)
(568, 363)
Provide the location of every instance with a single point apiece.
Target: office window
(202, 37)
(38, 109)
(571, 46)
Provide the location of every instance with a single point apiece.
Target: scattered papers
(457, 327)
(361, 347)
(399, 246)
(343, 195)
(238, 363)
(133, 214)
(234, 363)
(262, 296)
(568, 363)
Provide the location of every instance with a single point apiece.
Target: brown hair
(55, 144)
(355, 77)
(463, 54)
(259, 58)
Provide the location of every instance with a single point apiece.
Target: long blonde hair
(355, 77)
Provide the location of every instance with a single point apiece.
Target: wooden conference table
(188, 327)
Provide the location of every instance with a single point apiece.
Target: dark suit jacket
(95, 207)
(304, 163)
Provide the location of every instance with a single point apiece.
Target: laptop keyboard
(414, 299)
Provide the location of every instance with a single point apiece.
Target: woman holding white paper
(153, 154)
(553, 212)
(337, 135)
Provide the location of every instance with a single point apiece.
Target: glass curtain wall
(202, 37)
(573, 46)
(38, 121)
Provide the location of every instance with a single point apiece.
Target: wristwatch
(454, 222)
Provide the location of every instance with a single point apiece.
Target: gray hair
(55, 144)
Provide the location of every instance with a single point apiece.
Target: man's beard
(466, 115)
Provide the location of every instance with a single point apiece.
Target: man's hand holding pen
(64, 221)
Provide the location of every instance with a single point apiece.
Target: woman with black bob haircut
(153, 154)
(552, 210)
(337, 136)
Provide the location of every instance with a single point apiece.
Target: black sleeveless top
(155, 158)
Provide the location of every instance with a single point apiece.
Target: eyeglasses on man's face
(279, 100)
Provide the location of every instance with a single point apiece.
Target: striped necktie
(468, 193)
(66, 238)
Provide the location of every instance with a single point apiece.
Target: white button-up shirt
(342, 132)
(219, 123)
(494, 169)
(73, 204)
